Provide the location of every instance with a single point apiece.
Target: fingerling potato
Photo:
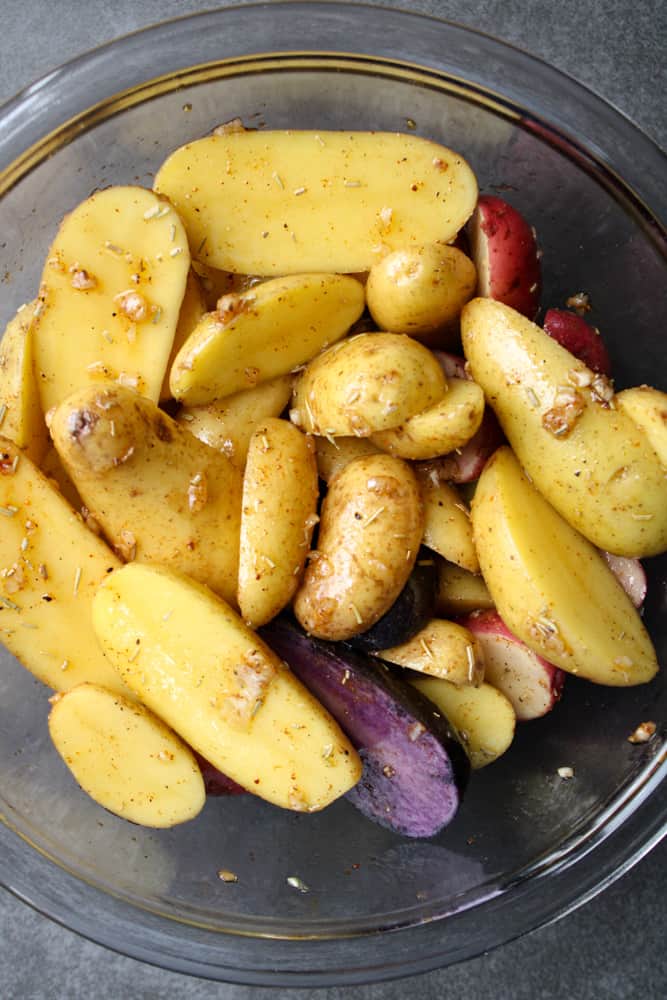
(442, 649)
(22, 418)
(647, 408)
(447, 528)
(333, 454)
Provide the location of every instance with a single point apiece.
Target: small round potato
(366, 383)
(421, 291)
(370, 531)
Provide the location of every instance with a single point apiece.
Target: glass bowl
(526, 846)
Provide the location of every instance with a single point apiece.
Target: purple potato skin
(415, 770)
(410, 612)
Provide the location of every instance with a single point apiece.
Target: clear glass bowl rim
(585, 121)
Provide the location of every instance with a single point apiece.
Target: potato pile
(242, 395)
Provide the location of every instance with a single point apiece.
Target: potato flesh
(371, 524)
(22, 420)
(125, 758)
(228, 424)
(460, 592)
(442, 649)
(193, 662)
(158, 493)
(333, 454)
(264, 332)
(447, 528)
(279, 508)
(110, 295)
(482, 716)
(192, 309)
(601, 474)
(284, 202)
(647, 408)
(366, 383)
(50, 566)
(545, 578)
(442, 428)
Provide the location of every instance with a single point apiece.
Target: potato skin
(367, 383)
(370, 530)
(421, 291)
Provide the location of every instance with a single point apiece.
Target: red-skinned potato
(505, 253)
(453, 365)
(579, 338)
(631, 576)
(531, 683)
(465, 464)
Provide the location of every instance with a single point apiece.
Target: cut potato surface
(50, 567)
(442, 649)
(459, 591)
(267, 331)
(125, 758)
(584, 454)
(110, 295)
(333, 454)
(22, 417)
(192, 309)
(482, 716)
(279, 512)
(262, 202)
(447, 528)
(193, 662)
(545, 578)
(158, 493)
(647, 408)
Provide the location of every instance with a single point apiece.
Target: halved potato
(267, 331)
(442, 649)
(125, 758)
(545, 578)
(22, 418)
(110, 295)
(647, 408)
(158, 493)
(333, 454)
(447, 528)
(192, 661)
(279, 513)
(262, 202)
(51, 567)
(192, 309)
(460, 591)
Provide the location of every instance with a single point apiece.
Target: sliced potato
(584, 454)
(366, 383)
(267, 331)
(228, 424)
(441, 649)
(647, 408)
(442, 428)
(262, 202)
(192, 661)
(279, 512)
(22, 417)
(545, 578)
(369, 536)
(111, 294)
(482, 716)
(158, 493)
(125, 758)
(333, 454)
(51, 566)
(447, 528)
(460, 592)
(192, 309)
(54, 470)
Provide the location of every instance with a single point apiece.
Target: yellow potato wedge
(192, 309)
(442, 428)
(366, 383)
(369, 536)
(54, 470)
(442, 649)
(110, 295)
(333, 454)
(279, 512)
(267, 331)
(125, 758)
(158, 494)
(460, 592)
(544, 578)
(482, 716)
(584, 454)
(192, 661)
(447, 528)
(22, 418)
(261, 202)
(50, 566)
(647, 408)
(228, 424)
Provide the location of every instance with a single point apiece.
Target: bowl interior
(519, 819)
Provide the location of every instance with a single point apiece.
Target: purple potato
(410, 612)
(415, 770)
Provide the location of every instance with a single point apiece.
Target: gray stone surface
(614, 946)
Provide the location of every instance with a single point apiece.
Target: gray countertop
(614, 946)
